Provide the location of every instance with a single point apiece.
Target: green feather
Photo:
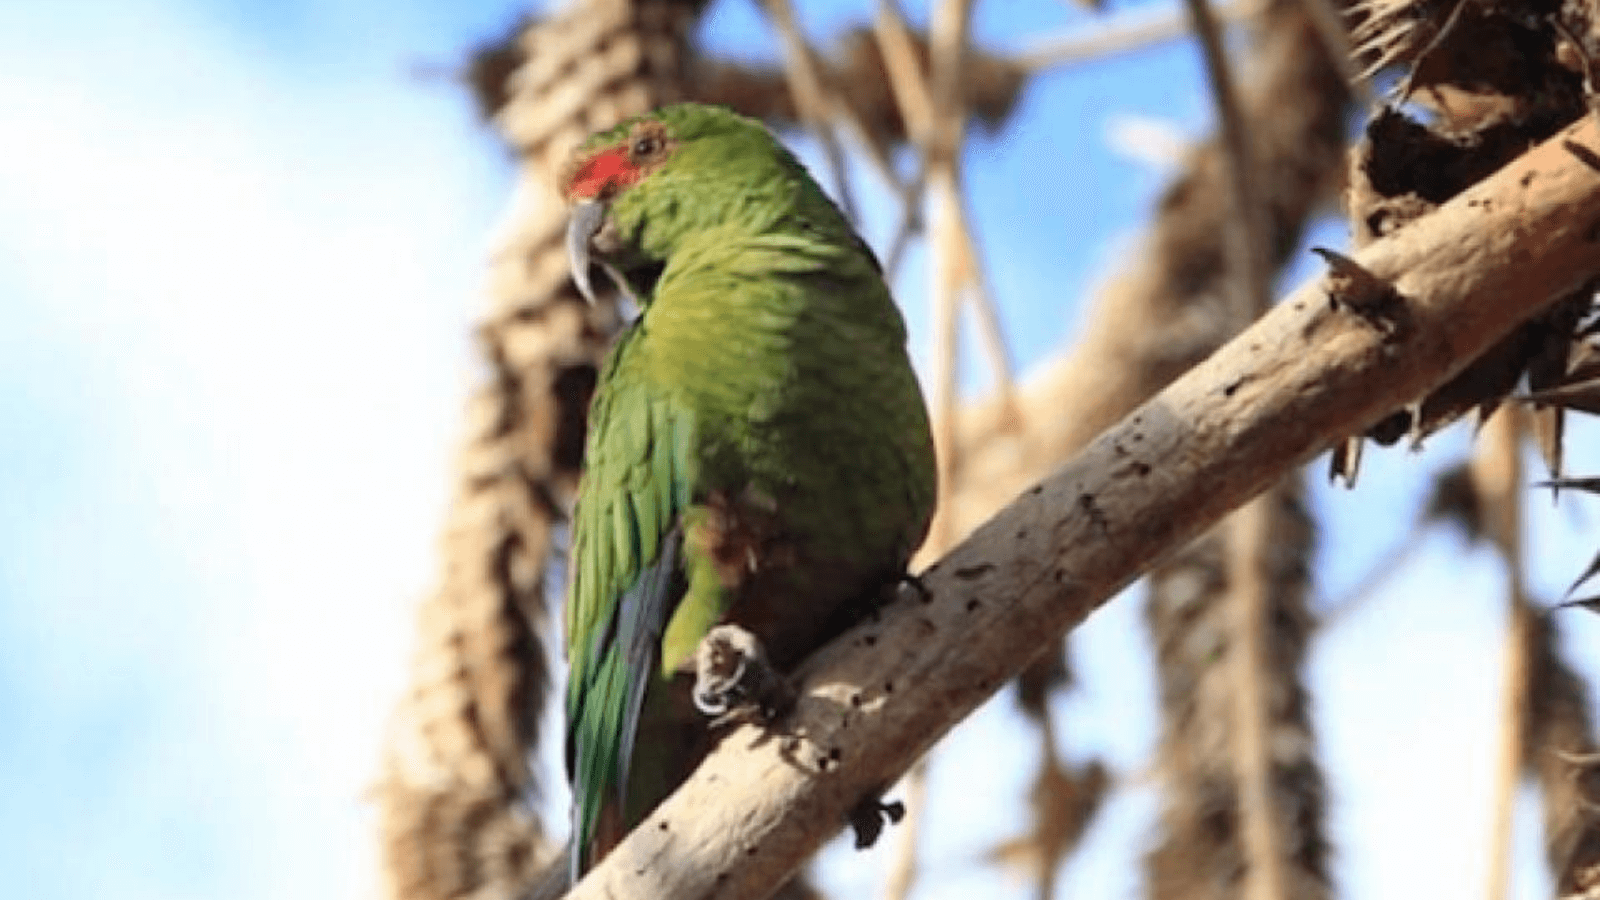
(767, 368)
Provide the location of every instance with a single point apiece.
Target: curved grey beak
(587, 217)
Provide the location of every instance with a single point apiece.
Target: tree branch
(1307, 374)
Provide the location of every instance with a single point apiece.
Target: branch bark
(1303, 377)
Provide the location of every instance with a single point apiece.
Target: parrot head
(639, 189)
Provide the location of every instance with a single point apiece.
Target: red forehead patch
(603, 170)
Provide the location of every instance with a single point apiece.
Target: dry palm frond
(1495, 77)
(1200, 853)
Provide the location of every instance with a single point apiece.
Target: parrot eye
(646, 146)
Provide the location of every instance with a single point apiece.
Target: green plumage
(758, 450)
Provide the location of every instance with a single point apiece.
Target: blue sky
(241, 252)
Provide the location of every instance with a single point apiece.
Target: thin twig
(906, 78)
(990, 336)
(811, 97)
(908, 190)
(1249, 536)
(911, 220)
(1246, 244)
(1497, 477)
(876, 154)
(941, 147)
(1127, 32)
(935, 117)
(946, 347)
(909, 87)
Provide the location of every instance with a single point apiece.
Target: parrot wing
(627, 578)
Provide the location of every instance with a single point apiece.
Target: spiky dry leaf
(1592, 604)
(1062, 804)
(1453, 500)
(1589, 485)
(1583, 362)
(1344, 461)
(1583, 396)
(1588, 573)
(1050, 673)
(1549, 426)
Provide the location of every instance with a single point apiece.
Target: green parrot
(758, 450)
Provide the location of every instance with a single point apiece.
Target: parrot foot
(870, 815)
(733, 680)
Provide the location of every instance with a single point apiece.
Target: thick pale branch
(1304, 376)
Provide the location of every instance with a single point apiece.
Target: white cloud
(258, 292)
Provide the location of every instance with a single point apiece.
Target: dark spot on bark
(1091, 508)
(1035, 490)
(1060, 575)
(1527, 178)
(1584, 154)
(750, 850)
(888, 687)
(663, 826)
(870, 640)
(1141, 469)
(967, 573)
(722, 878)
(972, 605)
(855, 700)
(835, 754)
